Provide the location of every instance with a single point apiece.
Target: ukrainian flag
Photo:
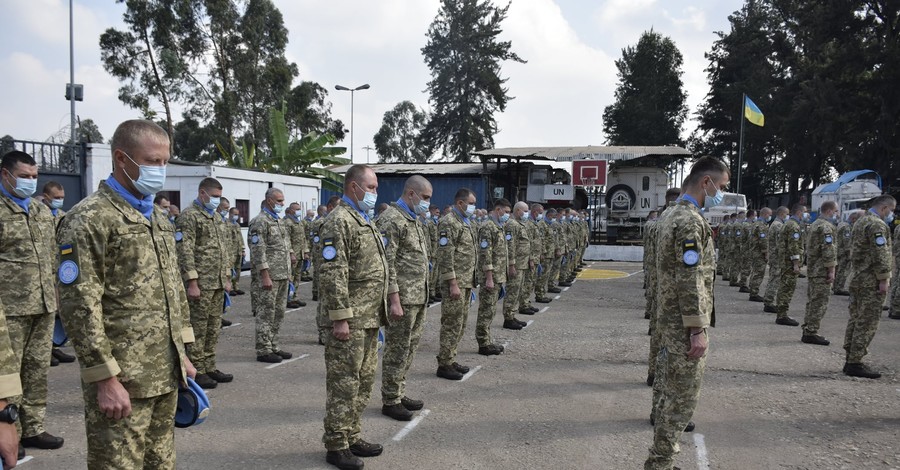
(752, 112)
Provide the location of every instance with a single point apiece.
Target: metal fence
(52, 157)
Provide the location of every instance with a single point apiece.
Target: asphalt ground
(568, 393)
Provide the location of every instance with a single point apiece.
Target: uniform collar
(689, 198)
(352, 204)
(271, 213)
(402, 204)
(23, 203)
(202, 206)
(461, 216)
(144, 206)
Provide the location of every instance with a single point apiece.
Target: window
(539, 176)
(174, 198)
(243, 207)
(645, 184)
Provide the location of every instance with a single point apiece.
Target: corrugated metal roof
(420, 168)
(568, 154)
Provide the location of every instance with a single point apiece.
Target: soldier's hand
(489, 284)
(193, 290)
(396, 311)
(113, 399)
(227, 285)
(341, 330)
(883, 286)
(455, 293)
(511, 272)
(293, 258)
(9, 445)
(265, 280)
(189, 368)
(699, 343)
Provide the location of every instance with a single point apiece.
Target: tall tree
(397, 139)
(308, 110)
(88, 132)
(650, 100)
(466, 89)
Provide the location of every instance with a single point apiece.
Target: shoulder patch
(690, 255)
(879, 239)
(179, 236)
(829, 239)
(68, 272)
(762, 234)
(66, 250)
(444, 240)
(508, 235)
(385, 239)
(254, 239)
(796, 235)
(329, 252)
(484, 243)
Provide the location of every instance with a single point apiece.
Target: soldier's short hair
(751, 213)
(332, 202)
(433, 207)
(14, 157)
(417, 183)
(271, 192)
(463, 194)
(224, 199)
(210, 183)
(159, 198)
(130, 134)
(521, 205)
(798, 208)
(882, 201)
(827, 206)
(706, 166)
(52, 185)
(551, 211)
(672, 194)
(355, 173)
(765, 210)
(234, 209)
(781, 211)
(502, 202)
(535, 206)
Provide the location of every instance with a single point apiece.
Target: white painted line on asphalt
(702, 457)
(412, 425)
(287, 361)
(471, 372)
(529, 322)
(539, 311)
(556, 298)
(632, 274)
(505, 344)
(434, 304)
(231, 326)
(27, 458)
(293, 310)
(565, 289)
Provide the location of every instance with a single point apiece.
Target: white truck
(732, 203)
(851, 191)
(633, 192)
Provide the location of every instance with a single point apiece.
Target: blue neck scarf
(402, 204)
(462, 216)
(144, 206)
(689, 198)
(353, 205)
(23, 203)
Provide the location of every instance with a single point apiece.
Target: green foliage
(88, 132)
(464, 56)
(397, 139)
(650, 100)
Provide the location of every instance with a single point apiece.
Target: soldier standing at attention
(722, 245)
(519, 248)
(456, 267)
(355, 268)
(306, 275)
(28, 264)
(842, 237)
(545, 248)
(559, 244)
(869, 284)
(822, 255)
(687, 268)
(758, 252)
(224, 208)
(433, 217)
(237, 246)
(10, 386)
(317, 240)
(55, 198)
(537, 246)
(894, 302)
(649, 263)
(493, 268)
(745, 251)
(297, 238)
(271, 257)
(774, 240)
(204, 257)
(125, 308)
(672, 195)
(790, 249)
(408, 243)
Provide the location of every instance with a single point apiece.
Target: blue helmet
(193, 405)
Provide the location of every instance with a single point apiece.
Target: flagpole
(741, 142)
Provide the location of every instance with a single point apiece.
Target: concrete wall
(614, 253)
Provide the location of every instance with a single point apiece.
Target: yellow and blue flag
(752, 112)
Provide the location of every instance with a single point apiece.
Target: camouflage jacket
(456, 256)
(822, 252)
(537, 241)
(870, 249)
(10, 382)
(492, 252)
(270, 246)
(758, 241)
(687, 267)
(790, 242)
(297, 235)
(559, 234)
(27, 258)
(842, 235)
(407, 254)
(121, 296)
(548, 250)
(433, 236)
(355, 269)
(772, 236)
(204, 247)
(519, 244)
(237, 241)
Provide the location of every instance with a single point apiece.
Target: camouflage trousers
(757, 272)
(865, 313)
(145, 439)
(401, 339)
(349, 376)
(817, 294)
(236, 272)
(527, 287)
(296, 274)
(554, 268)
(206, 320)
(773, 282)
(434, 282)
(540, 280)
(514, 294)
(454, 314)
(895, 289)
(785, 290)
(676, 392)
(745, 268)
(842, 272)
(650, 295)
(487, 307)
(31, 337)
(315, 281)
(654, 342)
(268, 308)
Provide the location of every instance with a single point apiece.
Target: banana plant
(309, 156)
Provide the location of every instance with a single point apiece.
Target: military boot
(814, 339)
(412, 404)
(512, 324)
(362, 448)
(449, 373)
(205, 381)
(344, 459)
(859, 369)
(397, 411)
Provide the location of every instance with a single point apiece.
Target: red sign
(589, 172)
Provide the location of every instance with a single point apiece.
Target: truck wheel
(620, 198)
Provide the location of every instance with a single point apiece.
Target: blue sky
(560, 93)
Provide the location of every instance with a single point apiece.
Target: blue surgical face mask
(889, 218)
(213, 203)
(235, 218)
(150, 180)
(526, 215)
(278, 208)
(806, 216)
(368, 201)
(504, 218)
(57, 203)
(25, 187)
(423, 206)
(539, 217)
(712, 201)
(470, 210)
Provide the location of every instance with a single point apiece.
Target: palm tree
(308, 156)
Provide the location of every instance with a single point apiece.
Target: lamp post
(351, 90)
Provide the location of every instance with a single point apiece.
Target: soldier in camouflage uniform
(722, 245)
(537, 246)
(355, 267)
(456, 258)
(842, 237)
(494, 265)
(124, 306)
(649, 262)
(869, 284)
(10, 386)
(773, 235)
(297, 236)
(894, 302)
(237, 248)
(547, 250)
(790, 250)
(28, 264)
(672, 195)
(822, 255)
(686, 255)
(204, 256)
(745, 254)
(519, 248)
(271, 257)
(54, 199)
(559, 244)
(407, 249)
(316, 226)
(758, 249)
(433, 216)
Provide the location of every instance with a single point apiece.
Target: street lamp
(351, 90)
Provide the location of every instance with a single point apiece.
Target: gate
(63, 163)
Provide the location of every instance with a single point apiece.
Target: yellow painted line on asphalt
(594, 274)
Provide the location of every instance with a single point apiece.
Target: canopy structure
(849, 177)
(590, 152)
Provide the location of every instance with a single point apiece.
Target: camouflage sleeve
(304, 240)
(186, 226)
(10, 383)
(335, 271)
(393, 234)
(829, 249)
(896, 244)
(689, 273)
(511, 243)
(879, 241)
(80, 301)
(486, 249)
(446, 250)
(793, 242)
(256, 240)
